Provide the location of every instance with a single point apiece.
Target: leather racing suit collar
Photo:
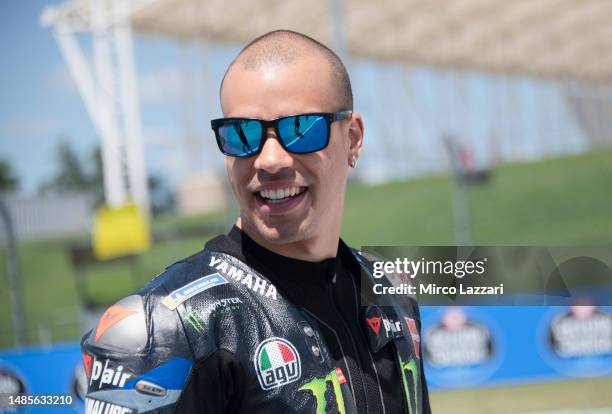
(238, 244)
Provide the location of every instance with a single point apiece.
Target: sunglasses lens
(240, 138)
(302, 134)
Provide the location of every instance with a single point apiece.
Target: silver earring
(353, 161)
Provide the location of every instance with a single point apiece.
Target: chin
(283, 233)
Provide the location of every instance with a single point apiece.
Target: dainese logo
(111, 317)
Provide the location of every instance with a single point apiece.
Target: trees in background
(74, 175)
(77, 175)
(8, 179)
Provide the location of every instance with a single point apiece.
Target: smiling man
(269, 318)
(290, 183)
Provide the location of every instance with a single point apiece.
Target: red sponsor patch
(414, 333)
(111, 317)
(340, 374)
(87, 364)
(374, 323)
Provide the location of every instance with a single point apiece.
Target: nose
(273, 156)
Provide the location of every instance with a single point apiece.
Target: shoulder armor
(137, 359)
(122, 327)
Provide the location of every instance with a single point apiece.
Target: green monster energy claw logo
(194, 320)
(318, 385)
(412, 398)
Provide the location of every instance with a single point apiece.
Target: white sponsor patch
(251, 281)
(224, 305)
(180, 295)
(103, 374)
(93, 406)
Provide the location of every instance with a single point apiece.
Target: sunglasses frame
(330, 117)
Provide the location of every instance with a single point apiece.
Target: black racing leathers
(238, 329)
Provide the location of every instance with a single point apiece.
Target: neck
(313, 249)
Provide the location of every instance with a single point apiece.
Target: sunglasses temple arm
(342, 115)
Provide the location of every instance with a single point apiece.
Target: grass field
(52, 307)
(564, 201)
(585, 396)
(558, 202)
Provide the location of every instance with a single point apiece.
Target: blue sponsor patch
(180, 295)
(170, 375)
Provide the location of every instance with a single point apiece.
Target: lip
(282, 207)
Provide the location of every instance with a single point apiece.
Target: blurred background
(487, 123)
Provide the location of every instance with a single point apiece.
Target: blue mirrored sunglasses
(298, 134)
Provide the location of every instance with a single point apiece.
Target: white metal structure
(108, 86)
(564, 40)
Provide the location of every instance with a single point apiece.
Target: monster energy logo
(318, 386)
(194, 320)
(412, 398)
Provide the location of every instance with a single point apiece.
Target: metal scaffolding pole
(109, 89)
(130, 105)
(336, 12)
(14, 276)
(106, 99)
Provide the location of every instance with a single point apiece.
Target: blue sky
(405, 110)
(36, 107)
(40, 105)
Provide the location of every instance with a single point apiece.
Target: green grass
(559, 397)
(176, 223)
(556, 202)
(49, 285)
(107, 283)
(400, 213)
(48, 290)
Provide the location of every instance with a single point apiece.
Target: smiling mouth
(280, 195)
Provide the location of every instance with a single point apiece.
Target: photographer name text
(434, 289)
(415, 271)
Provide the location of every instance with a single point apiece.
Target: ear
(355, 135)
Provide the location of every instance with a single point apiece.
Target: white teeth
(281, 193)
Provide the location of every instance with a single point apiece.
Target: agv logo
(277, 363)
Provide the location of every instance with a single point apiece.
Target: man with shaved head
(271, 317)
